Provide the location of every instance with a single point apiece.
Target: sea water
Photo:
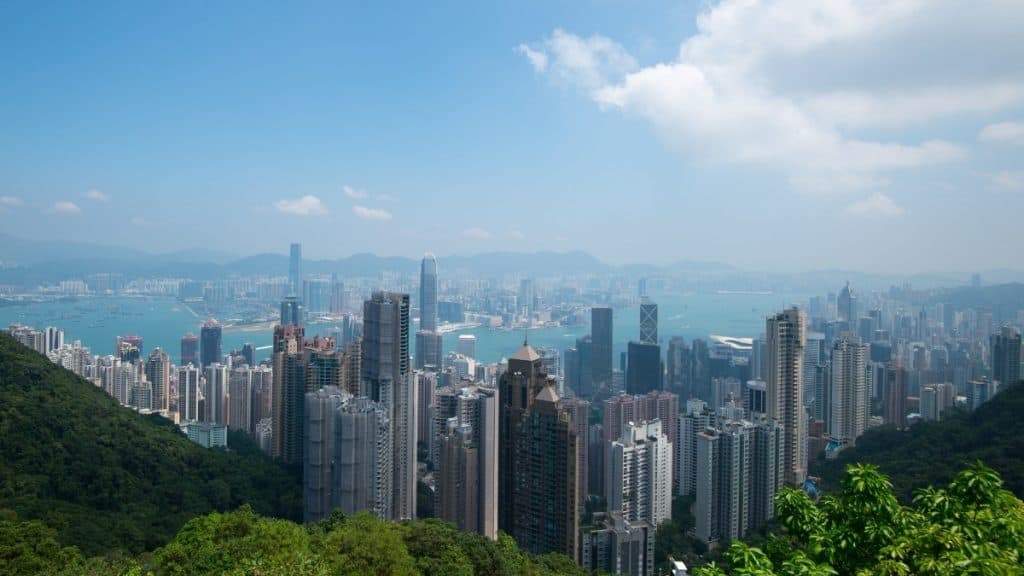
(98, 321)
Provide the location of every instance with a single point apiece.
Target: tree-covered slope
(105, 478)
(931, 453)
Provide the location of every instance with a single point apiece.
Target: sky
(874, 135)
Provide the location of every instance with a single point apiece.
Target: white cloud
(10, 201)
(477, 233)
(64, 207)
(1003, 132)
(353, 193)
(587, 62)
(94, 194)
(371, 213)
(877, 205)
(1007, 181)
(307, 205)
(537, 58)
(791, 84)
(517, 234)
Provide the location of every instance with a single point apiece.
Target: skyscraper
(428, 349)
(677, 368)
(240, 402)
(466, 471)
(846, 307)
(362, 454)
(640, 474)
(648, 321)
(538, 493)
(849, 409)
(643, 371)
(292, 313)
(158, 373)
(295, 269)
(320, 412)
(1006, 356)
(786, 333)
(216, 393)
(188, 393)
(387, 378)
(189, 350)
(895, 395)
(289, 388)
(210, 336)
(428, 293)
(601, 354)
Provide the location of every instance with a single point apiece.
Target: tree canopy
(973, 526)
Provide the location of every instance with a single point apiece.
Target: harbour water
(163, 321)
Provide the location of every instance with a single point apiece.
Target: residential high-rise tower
(785, 334)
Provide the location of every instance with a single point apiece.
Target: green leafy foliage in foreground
(973, 526)
(244, 543)
(105, 478)
(931, 452)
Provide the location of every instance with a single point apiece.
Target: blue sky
(791, 134)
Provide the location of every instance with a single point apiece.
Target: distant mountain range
(26, 262)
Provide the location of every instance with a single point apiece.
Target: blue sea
(97, 321)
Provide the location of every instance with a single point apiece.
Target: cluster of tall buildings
(529, 445)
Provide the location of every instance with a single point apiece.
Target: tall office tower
(240, 399)
(467, 345)
(700, 370)
(428, 350)
(188, 393)
(216, 393)
(249, 353)
(210, 336)
(289, 388)
(579, 375)
(354, 367)
(316, 295)
(786, 333)
(849, 409)
(895, 395)
(262, 383)
(814, 356)
(295, 269)
(387, 378)
(579, 410)
(189, 350)
(757, 359)
(846, 307)
(614, 546)
(648, 321)
(292, 312)
(696, 418)
(321, 407)
(677, 368)
(755, 398)
(158, 373)
(526, 297)
(1006, 356)
(643, 372)
(338, 300)
(538, 490)
(428, 293)
(362, 453)
(601, 351)
(639, 482)
(466, 471)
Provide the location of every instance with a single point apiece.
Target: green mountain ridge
(931, 453)
(107, 478)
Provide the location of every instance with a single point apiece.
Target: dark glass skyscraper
(601, 357)
(1006, 356)
(189, 350)
(291, 311)
(538, 469)
(210, 337)
(643, 369)
(295, 269)
(648, 321)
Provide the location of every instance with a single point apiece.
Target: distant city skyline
(635, 135)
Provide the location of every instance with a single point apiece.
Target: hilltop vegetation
(102, 477)
(930, 453)
(973, 526)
